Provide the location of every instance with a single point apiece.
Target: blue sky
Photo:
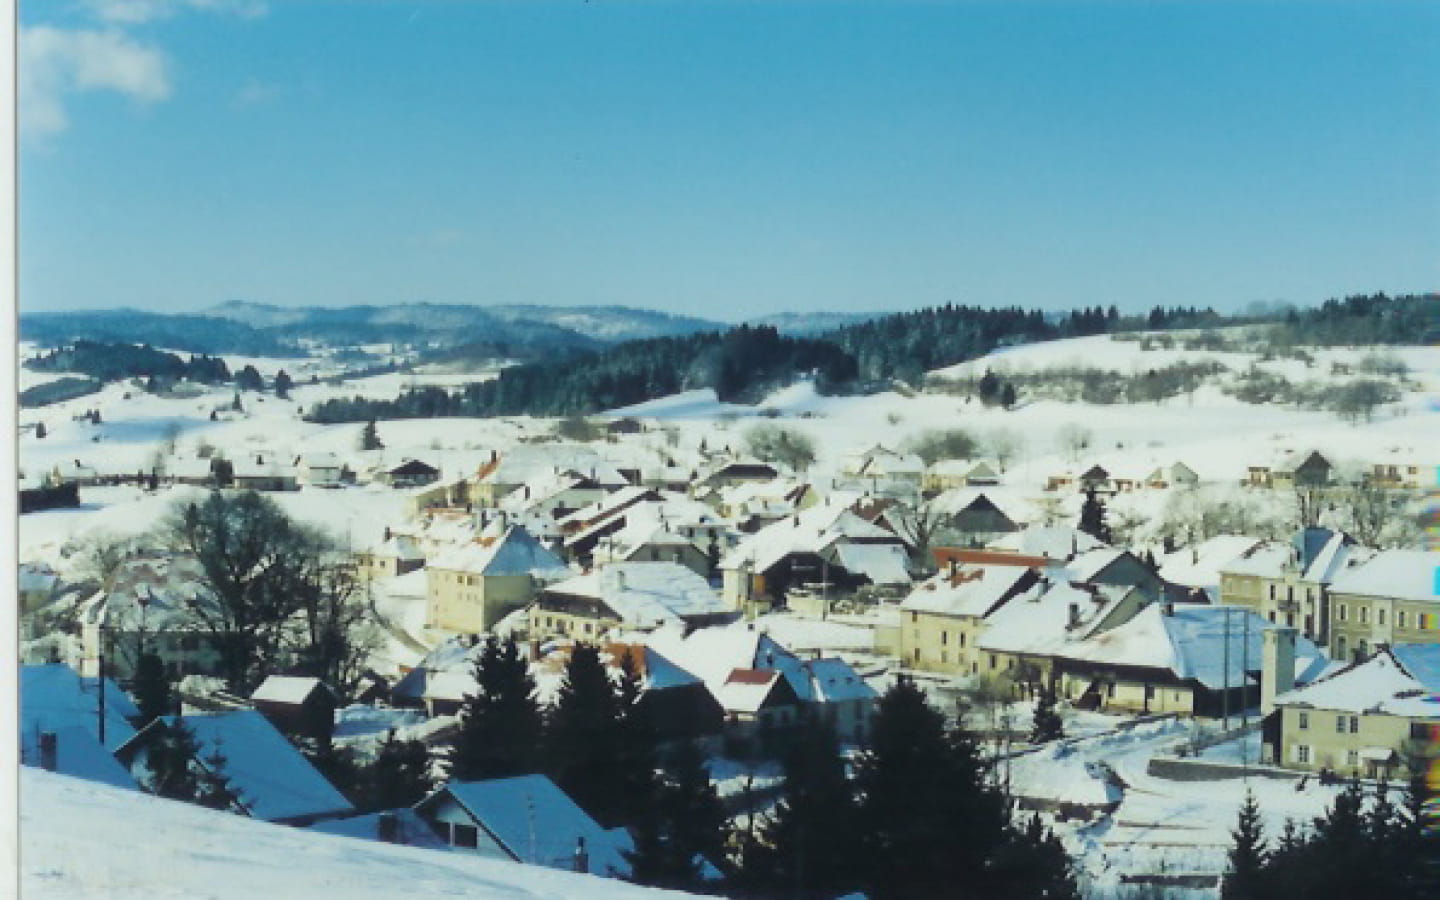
(726, 159)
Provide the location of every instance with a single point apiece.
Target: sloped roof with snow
(1401, 574)
(287, 689)
(538, 823)
(1037, 622)
(274, 780)
(972, 591)
(808, 532)
(1054, 541)
(1268, 559)
(53, 697)
(1199, 566)
(1380, 684)
(880, 563)
(516, 552)
(1191, 643)
(156, 593)
(646, 594)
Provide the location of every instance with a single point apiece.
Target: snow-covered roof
(1191, 642)
(1199, 566)
(516, 552)
(1037, 622)
(1057, 774)
(808, 532)
(972, 591)
(646, 594)
(1400, 574)
(78, 754)
(1092, 562)
(287, 689)
(155, 593)
(538, 823)
(836, 681)
(1053, 541)
(746, 690)
(1399, 681)
(273, 779)
(880, 563)
(1268, 559)
(53, 698)
(411, 830)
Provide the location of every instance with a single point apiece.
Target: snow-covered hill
(82, 840)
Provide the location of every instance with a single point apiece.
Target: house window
(944, 657)
(944, 638)
(1352, 758)
(962, 638)
(1354, 724)
(1272, 593)
(1399, 618)
(1304, 720)
(1302, 753)
(464, 836)
(1343, 612)
(1380, 617)
(1424, 731)
(1364, 615)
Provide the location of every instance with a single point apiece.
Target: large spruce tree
(501, 723)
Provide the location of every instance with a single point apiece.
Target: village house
(525, 819)
(972, 517)
(508, 472)
(1191, 660)
(471, 587)
(253, 471)
(410, 473)
(639, 595)
(826, 546)
(60, 729)
(764, 688)
(675, 702)
(1051, 541)
(1372, 719)
(738, 471)
(273, 781)
(614, 527)
(1288, 469)
(949, 474)
(1177, 474)
(155, 604)
(1288, 583)
(319, 469)
(652, 540)
(881, 472)
(1391, 598)
(1192, 574)
(942, 618)
(297, 706)
(395, 555)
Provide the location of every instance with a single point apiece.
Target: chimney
(1074, 615)
(387, 828)
(1167, 608)
(1277, 667)
(954, 567)
(49, 751)
(582, 856)
(619, 580)
(387, 533)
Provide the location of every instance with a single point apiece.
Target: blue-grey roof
(53, 697)
(274, 779)
(1422, 661)
(413, 830)
(539, 823)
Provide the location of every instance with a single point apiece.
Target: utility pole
(101, 682)
(1225, 675)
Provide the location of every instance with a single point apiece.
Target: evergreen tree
(683, 829)
(151, 689)
(40, 431)
(1047, 726)
(931, 822)
(500, 724)
(1245, 879)
(400, 775)
(811, 845)
(215, 790)
(584, 745)
(248, 379)
(370, 437)
(989, 388)
(637, 785)
(283, 383)
(171, 761)
(1092, 517)
(1007, 396)
(1033, 863)
(235, 405)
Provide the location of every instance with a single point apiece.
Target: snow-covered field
(80, 840)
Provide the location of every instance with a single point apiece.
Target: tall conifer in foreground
(501, 723)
